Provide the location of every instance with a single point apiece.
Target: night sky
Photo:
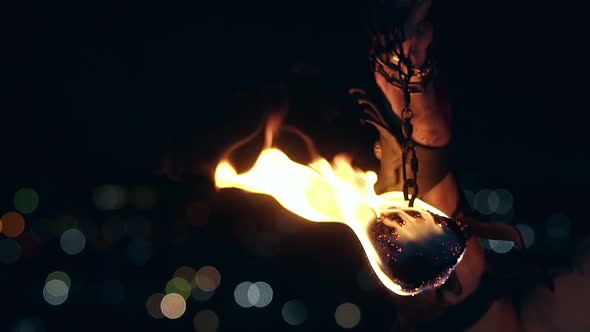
(115, 112)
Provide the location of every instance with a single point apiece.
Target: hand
(431, 123)
(431, 113)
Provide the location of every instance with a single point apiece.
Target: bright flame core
(324, 192)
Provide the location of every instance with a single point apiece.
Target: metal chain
(410, 186)
(386, 49)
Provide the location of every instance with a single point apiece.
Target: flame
(328, 192)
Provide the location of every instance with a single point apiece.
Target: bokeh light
(59, 275)
(113, 292)
(139, 251)
(501, 246)
(206, 321)
(109, 197)
(253, 294)
(347, 315)
(262, 292)
(28, 324)
(241, 294)
(481, 201)
(200, 295)
(558, 226)
(294, 312)
(173, 306)
(13, 224)
(26, 200)
(505, 201)
(10, 251)
(55, 292)
(179, 286)
(187, 273)
(528, 234)
(142, 198)
(469, 197)
(153, 305)
(72, 241)
(208, 278)
(493, 201)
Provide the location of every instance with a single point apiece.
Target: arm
(432, 128)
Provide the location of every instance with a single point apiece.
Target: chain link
(409, 158)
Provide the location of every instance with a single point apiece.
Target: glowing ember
(409, 249)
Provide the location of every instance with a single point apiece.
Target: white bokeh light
(55, 292)
(501, 246)
(528, 234)
(294, 312)
(265, 294)
(241, 294)
(72, 241)
(347, 315)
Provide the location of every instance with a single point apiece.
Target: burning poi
(410, 249)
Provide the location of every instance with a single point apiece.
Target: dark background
(144, 93)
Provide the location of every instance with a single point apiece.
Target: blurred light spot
(505, 201)
(139, 251)
(28, 324)
(253, 294)
(528, 234)
(173, 306)
(109, 197)
(113, 228)
(73, 241)
(26, 200)
(200, 295)
(485, 243)
(55, 292)
(294, 312)
(138, 227)
(13, 224)
(208, 278)
(185, 272)
(113, 292)
(153, 305)
(469, 197)
(367, 280)
(143, 198)
(241, 294)
(481, 202)
(61, 276)
(178, 286)
(10, 251)
(501, 246)
(493, 201)
(347, 315)
(206, 321)
(264, 294)
(558, 226)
